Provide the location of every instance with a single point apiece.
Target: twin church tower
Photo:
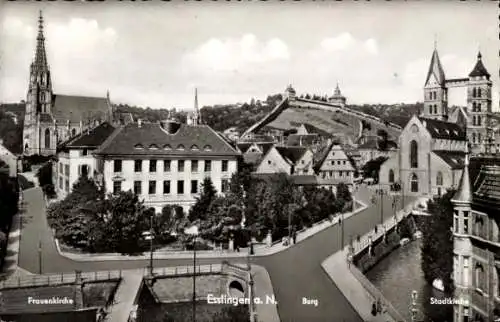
(476, 118)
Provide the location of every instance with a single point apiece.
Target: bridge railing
(184, 270)
(59, 279)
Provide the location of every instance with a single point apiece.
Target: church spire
(40, 55)
(464, 192)
(435, 68)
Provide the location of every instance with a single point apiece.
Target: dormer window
(153, 147)
(139, 146)
(207, 148)
(167, 147)
(180, 147)
(194, 147)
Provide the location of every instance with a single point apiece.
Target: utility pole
(151, 246)
(39, 256)
(342, 228)
(194, 279)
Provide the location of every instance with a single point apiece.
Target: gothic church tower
(39, 96)
(479, 127)
(435, 91)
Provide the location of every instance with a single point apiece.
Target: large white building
(166, 162)
(74, 158)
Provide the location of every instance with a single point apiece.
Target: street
(295, 272)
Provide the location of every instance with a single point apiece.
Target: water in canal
(400, 273)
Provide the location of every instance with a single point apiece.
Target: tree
(126, 219)
(344, 197)
(437, 244)
(200, 208)
(44, 175)
(383, 139)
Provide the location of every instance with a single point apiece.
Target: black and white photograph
(249, 161)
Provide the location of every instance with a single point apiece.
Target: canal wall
(351, 281)
(383, 245)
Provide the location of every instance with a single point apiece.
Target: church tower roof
(435, 69)
(40, 54)
(479, 70)
(464, 192)
(337, 92)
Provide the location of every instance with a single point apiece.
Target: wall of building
(273, 162)
(159, 199)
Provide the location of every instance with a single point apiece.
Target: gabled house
(334, 165)
(289, 160)
(253, 152)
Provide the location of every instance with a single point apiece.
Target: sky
(154, 54)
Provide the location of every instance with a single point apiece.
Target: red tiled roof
(152, 139)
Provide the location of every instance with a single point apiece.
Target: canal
(397, 275)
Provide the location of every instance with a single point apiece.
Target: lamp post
(40, 256)
(193, 231)
(148, 235)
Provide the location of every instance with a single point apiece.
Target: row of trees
(45, 179)
(271, 205)
(89, 220)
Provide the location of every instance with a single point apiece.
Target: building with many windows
(476, 246)
(166, 162)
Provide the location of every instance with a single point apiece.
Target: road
(295, 273)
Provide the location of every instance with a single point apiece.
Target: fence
(376, 294)
(184, 270)
(59, 279)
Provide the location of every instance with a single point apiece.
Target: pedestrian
(374, 309)
(294, 236)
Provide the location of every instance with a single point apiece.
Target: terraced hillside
(325, 116)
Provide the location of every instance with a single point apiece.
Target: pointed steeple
(40, 55)
(337, 91)
(435, 69)
(479, 70)
(464, 192)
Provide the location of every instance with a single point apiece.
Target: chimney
(139, 123)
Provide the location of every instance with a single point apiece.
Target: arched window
(439, 179)
(474, 106)
(478, 120)
(391, 176)
(474, 92)
(73, 132)
(414, 154)
(478, 92)
(473, 137)
(47, 138)
(478, 107)
(479, 138)
(414, 183)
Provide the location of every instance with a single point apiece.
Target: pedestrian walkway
(125, 295)
(263, 288)
(337, 268)
(357, 289)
